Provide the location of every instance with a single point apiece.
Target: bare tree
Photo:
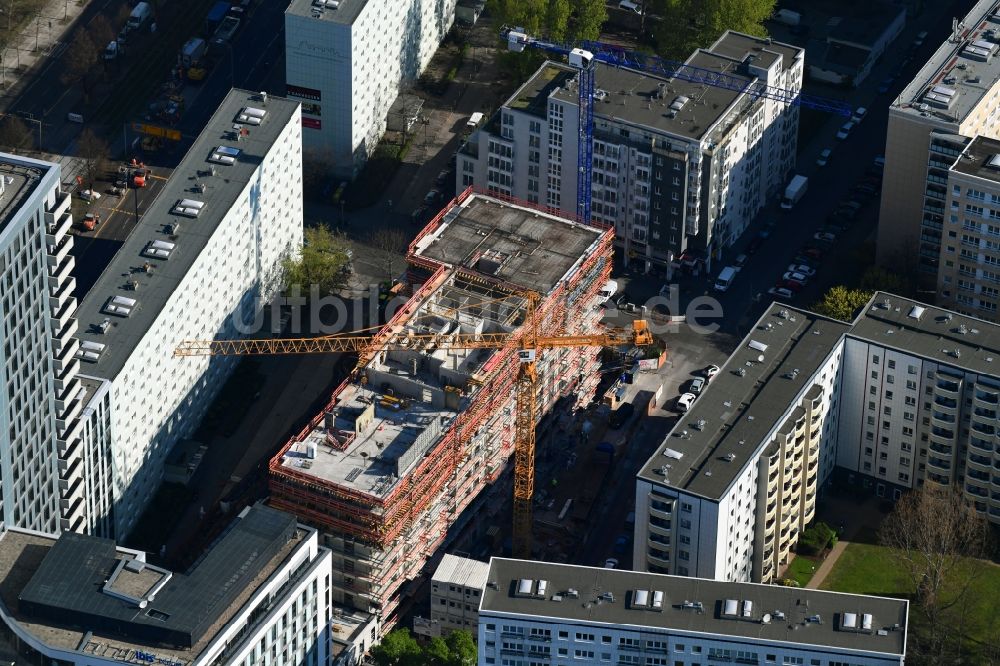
(14, 133)
(936, 535)
(80, 58)
(101, 31)
(390, 246)
(93, 150)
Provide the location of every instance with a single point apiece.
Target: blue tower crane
(585, 58)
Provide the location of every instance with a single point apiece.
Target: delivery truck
(793, 193)
(141, 16)
(193, 51)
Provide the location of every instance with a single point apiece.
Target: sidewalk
(41, 43)
(826, 566)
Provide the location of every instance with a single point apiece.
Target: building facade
(347, 60)
(39, 392)
(260, 595)
(679, 169)
(402, 457)
(545, 613)
(201, 263)
(905, 395)
(952, 100)
(456, 587)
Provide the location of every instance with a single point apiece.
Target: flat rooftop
(376, 459)
(936, 334)
(334, 11)
(19, 181)
(533, 96)
(53, 587)
(777, 614)
(521, 246)
(633, 97)
(962, 72)
(737, 46)
(127, 299)
(980, 158)
(462, 571)
(710, 444)
(863, 24)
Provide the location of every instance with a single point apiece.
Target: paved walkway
(826, 566)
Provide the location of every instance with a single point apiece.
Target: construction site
(422, 428)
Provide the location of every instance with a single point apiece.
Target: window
(875, 360)
(585, 637)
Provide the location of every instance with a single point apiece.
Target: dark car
(620, 416)
(790, 285)
(419, 215)
(812, 252)
(754, 245)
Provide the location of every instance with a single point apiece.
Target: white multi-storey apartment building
(905, 395)
(39, 394)
(952, 99)
(260, 595)
(542, 613)
(679, 168)
(198, 265)
(347, 60)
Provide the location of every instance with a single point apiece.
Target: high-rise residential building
(904, 396)
(347, 60)
(392, 469)
(969, 273)
(38, 389)
(952, 99)
(260, 594)
(200, 263)
(679, 168)
(545, 613)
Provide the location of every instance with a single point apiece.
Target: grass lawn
(801, 570)
(865, 568)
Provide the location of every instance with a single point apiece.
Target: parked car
(794, 287)
(711, 371)
(919, 39)
(442, 177)
(696, 385)
(740, 261)
(824, 237)
(419, 214)
(803, 259)
(808, 271)
(685, 401)
(609, 289)
(795, 277)
(886, 84)
(611, 563)
(432, 197)
(620, 416)
(824, 157)
(754, 245)
(780, 292)
(845, 130)
(812, 252)
(89, 195)
(621, 544)
(859, 115)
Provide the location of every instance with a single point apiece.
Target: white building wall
(545, 640)
(158, 399)
(359, 69)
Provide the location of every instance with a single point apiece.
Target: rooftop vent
(188, 207)
(657, 600)
(224, 155)
(90, 351)
(120, 305)
(693, 605)
(679, 103)
(251, 115)
(915, 312)
(640, 599)
(159, 249)
(993, 162)
(572, 594)
(730, 608)
(758, 346)
(851, 622)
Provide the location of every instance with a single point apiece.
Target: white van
(474, 121)
(725, 279)
(630, 7)
(74, 117)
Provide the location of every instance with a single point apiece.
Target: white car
(845, 130)
(89, 195)
(824, 157)
(793, 276)
(859, 115)
(808, 271)
(711, 371)
(824, 236)
(609, 289)
(611, 563)
(685, 401)
(780, 292)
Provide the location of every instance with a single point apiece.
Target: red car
(789, 285)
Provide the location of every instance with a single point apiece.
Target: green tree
(877, 278)
(323, 261)
(841, 303)
(461, 648)
(590, 16)
(686, 25)
(436, 652)
(557, 19)
(527, 14)
(397, 648)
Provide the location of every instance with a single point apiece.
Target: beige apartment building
(953, 99)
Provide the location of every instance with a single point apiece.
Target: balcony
(66, 354)
(64, 294)
(658, 561)
(937, 463)
(71, 475)
(73, 514)
(62, 381)
(62, 272)
(57, 253)
(73, 391)
(980, 395)
(55, 231)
